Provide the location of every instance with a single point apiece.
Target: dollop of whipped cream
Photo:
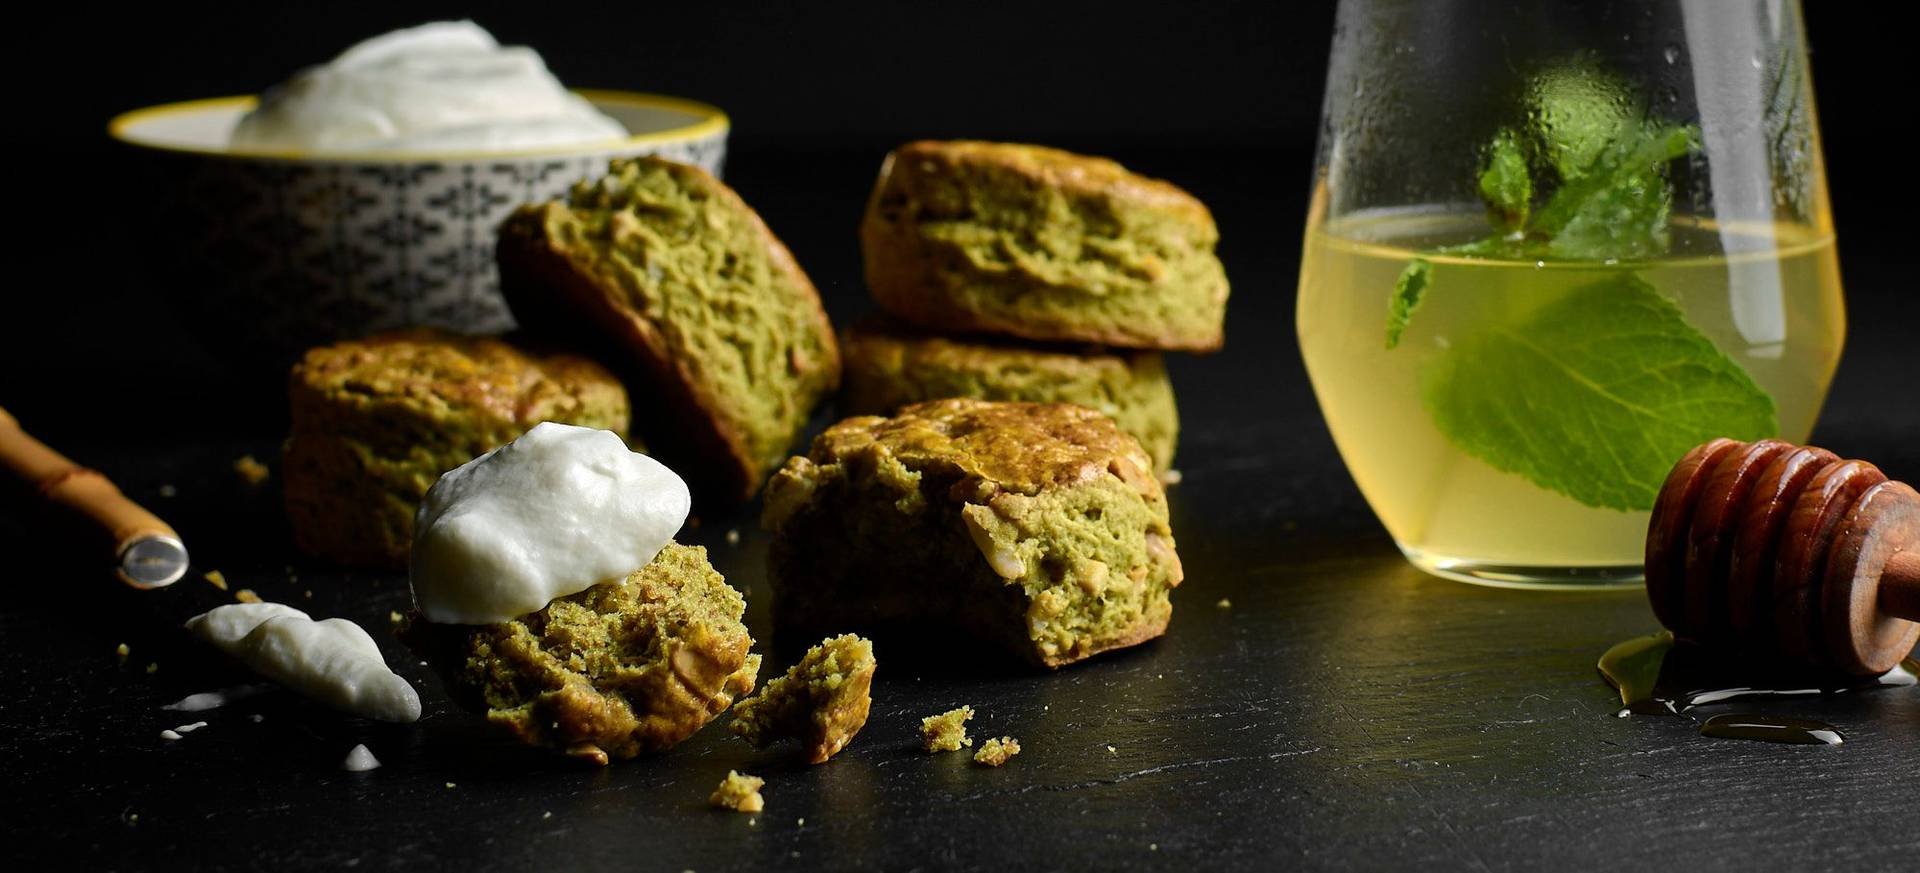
(555, 512)
(332, 661)
(445, 86)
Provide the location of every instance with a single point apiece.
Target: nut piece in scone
(683, 290)
(1036, 527)
(376, 421)
(1043, 244)
(822, 701)
(617, 670)
(890, 365)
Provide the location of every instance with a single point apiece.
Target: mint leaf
(1505, 185)
(1595, 395)
(1617, 207)
(1575, 111)
(1408, 291)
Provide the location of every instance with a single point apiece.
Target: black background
(1346, 712)
(1160, 85)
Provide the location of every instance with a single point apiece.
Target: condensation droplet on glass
(1671, 53)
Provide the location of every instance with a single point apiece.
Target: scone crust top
(442, 376)
(689, 288)
(992, 447)
(1042, 244)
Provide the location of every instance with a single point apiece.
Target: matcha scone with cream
(618, 670)
(684, 290)
(551, 596)
(890, 365)
(1042, 244)
(1039, 528)
(376, 421)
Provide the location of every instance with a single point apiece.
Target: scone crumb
(153, 667)
(733, 536)
(246, 595)
(995, 752)
(168, 491)
(1112, 751)
(1224, 603)
(1171, 477)
(739, 792)
(121, 652)
(215, 578)
(395, 617)
(946, 732)
(250, 469)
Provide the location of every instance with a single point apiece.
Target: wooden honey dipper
(147, 553)
(1788, 552)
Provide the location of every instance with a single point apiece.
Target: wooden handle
(86, 492)
(1900, 586)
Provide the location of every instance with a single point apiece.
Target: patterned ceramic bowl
(281, 251)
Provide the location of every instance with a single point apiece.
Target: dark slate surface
(1345, 712)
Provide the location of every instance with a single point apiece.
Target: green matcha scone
(1036, 527)
(617, 670)
(680, 285)
(889, 365)
(376, 421)
(822, 701)
(1042, 244)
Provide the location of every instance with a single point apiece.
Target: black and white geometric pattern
(283, 255)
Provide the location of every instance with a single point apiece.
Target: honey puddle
(1656, 676)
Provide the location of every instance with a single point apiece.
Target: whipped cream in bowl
(276, 215)
(442, 87)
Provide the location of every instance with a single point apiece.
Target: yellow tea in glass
(1550, 249)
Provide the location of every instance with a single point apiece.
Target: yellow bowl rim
(711, 123)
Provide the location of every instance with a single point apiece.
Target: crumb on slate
(1171, 477)
(250, 469)
(946, 732)
(153, 667)
(246, 595)
(168, 491)
(121, 652)
(733, 536)
(995, 752)
(739, 792)
(1224, 603)
(215, 578)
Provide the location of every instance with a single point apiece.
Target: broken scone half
(688, 296)
(1036, 526)
(530, 609)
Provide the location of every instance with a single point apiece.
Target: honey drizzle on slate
(1772, 729)
(1650, 683)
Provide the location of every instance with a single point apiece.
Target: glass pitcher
(1552, 246)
